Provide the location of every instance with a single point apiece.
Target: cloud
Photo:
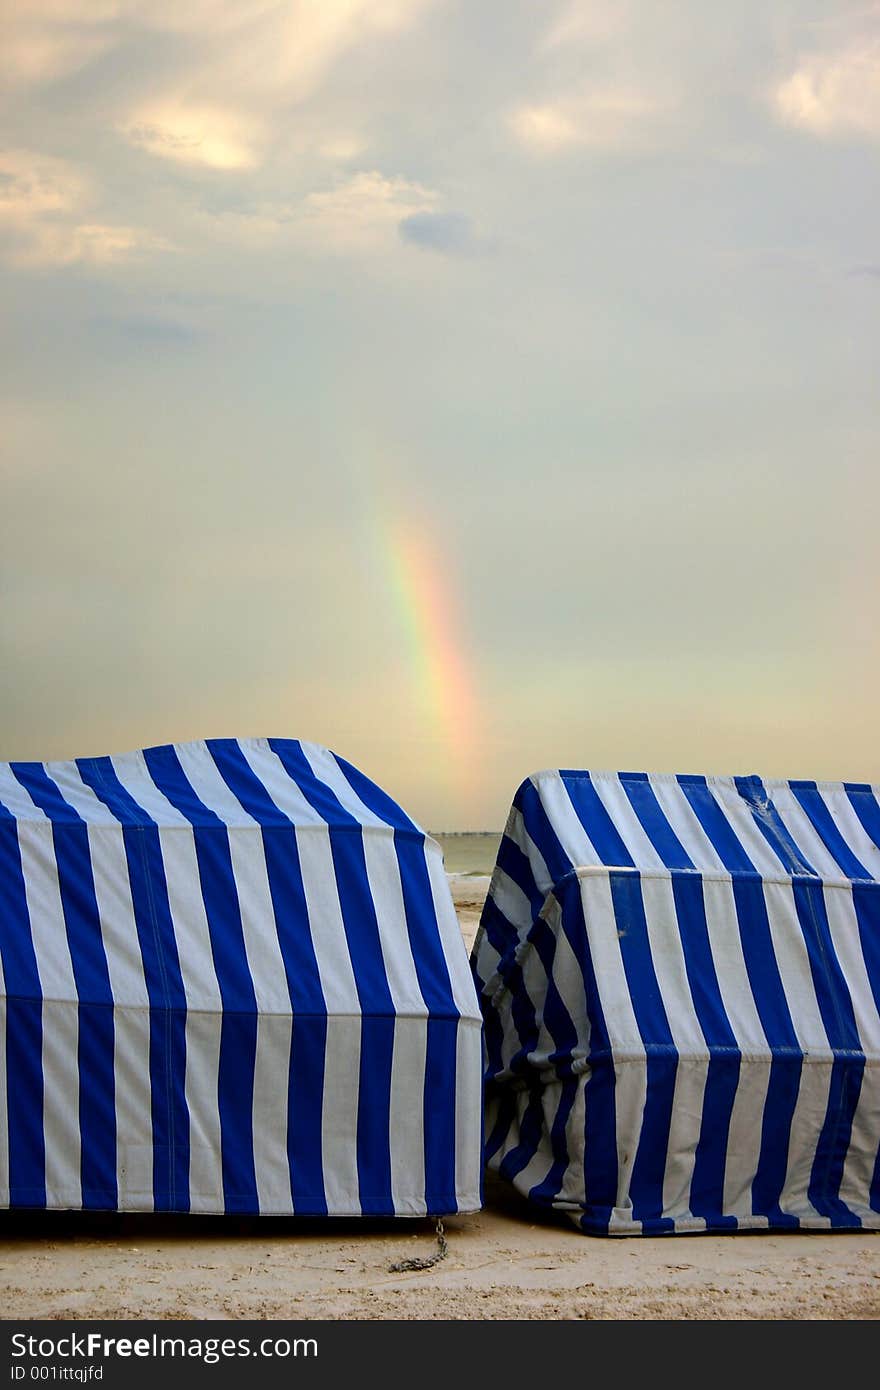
(602, 118)
(44, 206)
(208, 136)
(833, 94)
(450, 233)
(361, 211)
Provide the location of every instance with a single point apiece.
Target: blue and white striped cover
(232, 981)
(680, 980)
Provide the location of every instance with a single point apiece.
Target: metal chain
(425, 1261)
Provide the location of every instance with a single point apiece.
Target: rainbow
(427, 611)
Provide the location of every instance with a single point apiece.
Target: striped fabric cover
(680, 980)
(232, 981)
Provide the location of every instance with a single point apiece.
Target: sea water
(470, 852)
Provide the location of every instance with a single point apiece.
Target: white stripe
(201, 990)
(279, 785)
(468, 1105)
(128, 989)
(514, 906)
(383, 875)
(328, 771)
(515, 830)
(339, 1116)
(271, 1073)
(569, 831)
(858, 1170)
(569, 981)
(14, 797)
(133, 775)
(247, 855)
(690, 1079)
(328, 937)
(799, 826)
(628, 1051)
(793, 961)
(454, 953)
(267, 973)
(841, 811)
(406, 1116)
(201, 1089)
(744, 1140)
(685, 824)
(744, 1136)
(573, 1189)
(738, 814)
(60, 1016)
(610, 792)
(4, 1110)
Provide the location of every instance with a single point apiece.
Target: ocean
(470, 852)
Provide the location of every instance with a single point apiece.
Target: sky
(470, 386)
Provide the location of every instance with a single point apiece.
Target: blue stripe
(661, 1056)
(503, 1097)
(493, 1028)
(531, 1130)
(305, 1103)
(779, 1106)
(545, 1191)
(832, 993)
(24, 1029)
(238, 1029)
(374, 995)
(317, 793)
(164, 982)
(518, 869)
(716, 825)
(785, 1067)
(438, 1116)
(864, 803)
(722, 1074)
(767, 819)
(590, 811)
(541, 832)
(436, 990)
(379, 802)
(810, 800)
(377, 1032)
(827, 1173)
(643, 800)
(839, 1022)
(97, 1089)
(423, 929)
(600, 1117)
(866, 901)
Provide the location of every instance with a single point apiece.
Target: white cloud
(363, 211)
(240, 67)
(834, 94)
(210, 136)
(604, 118)
(588, 22)
(44, 206)
(358, 215)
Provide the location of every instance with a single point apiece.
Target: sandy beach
(505, 1262)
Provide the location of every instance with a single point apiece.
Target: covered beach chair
(680, 980)
(231, 980)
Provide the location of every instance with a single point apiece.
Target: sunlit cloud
(605, 118)
(44, 207)
(208, 136)
(834, 94)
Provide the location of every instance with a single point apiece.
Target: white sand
(503, 1263)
